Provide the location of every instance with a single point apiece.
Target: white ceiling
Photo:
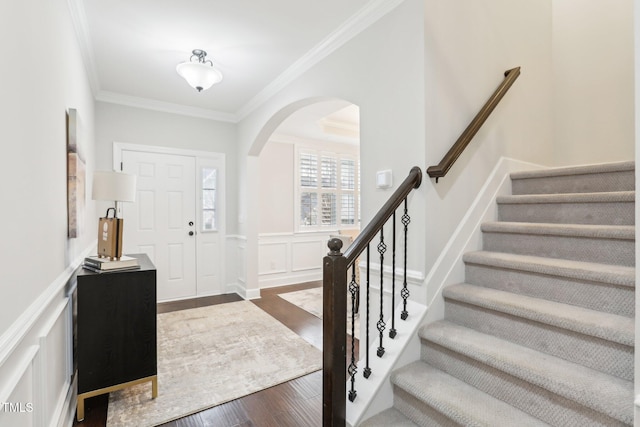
(131, 48)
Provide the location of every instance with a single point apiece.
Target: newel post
(334, 336)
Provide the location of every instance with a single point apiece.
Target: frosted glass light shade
(114, 186)
(200, 76)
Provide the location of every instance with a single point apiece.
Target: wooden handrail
(371, 230)
(334, 320)
(441, 169)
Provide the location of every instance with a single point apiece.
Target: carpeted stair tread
(620, 232)
(458, 401)
(576, 179)
(589, 271)
(387, 418)
(607, 326)
(612, 208)
(626, 166)
(610, 244)
(601, 392)
(600, 197)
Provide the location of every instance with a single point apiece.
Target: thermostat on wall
(384, 179)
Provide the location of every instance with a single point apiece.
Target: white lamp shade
(199, 76)
(114, 186)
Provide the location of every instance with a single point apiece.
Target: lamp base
(110, 237)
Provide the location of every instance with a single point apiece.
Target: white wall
(276, 188)
(43, 76)
(593, 80)
(380, 70)
(117, 123)
(468, 46)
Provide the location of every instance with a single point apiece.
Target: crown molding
(365, 17)
(79, 22)
(340, 128)
(165, 107)
(284, 138)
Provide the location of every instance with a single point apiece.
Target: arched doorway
(307, 188)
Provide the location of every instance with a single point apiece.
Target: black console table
(116, 330)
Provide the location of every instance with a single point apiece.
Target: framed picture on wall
(76, 178)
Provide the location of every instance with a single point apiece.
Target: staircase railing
(441, 169)
(335, 269)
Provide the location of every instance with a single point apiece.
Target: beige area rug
(311, 300)
(211, 355)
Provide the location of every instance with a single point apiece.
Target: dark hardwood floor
(296, 403)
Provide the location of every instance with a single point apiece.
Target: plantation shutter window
(308, 170)
(308, 209)
(328, 191)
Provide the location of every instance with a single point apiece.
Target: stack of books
(102, 265)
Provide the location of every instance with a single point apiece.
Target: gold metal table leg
(80, 413)
(83, 396)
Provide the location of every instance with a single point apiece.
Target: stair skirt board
(541, 332)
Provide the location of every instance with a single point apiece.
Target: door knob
(191, 233)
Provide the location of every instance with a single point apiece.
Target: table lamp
(116, 187)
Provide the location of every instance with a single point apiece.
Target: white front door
(162, 221)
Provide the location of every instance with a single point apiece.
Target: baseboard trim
(290, 279)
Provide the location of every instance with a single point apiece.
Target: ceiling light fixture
(200, 74)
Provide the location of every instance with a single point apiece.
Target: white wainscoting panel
(273, 258)
(35, 360)
(55, 338)
(19, 397)
(307, 255)
(235, 280)
(288, 258)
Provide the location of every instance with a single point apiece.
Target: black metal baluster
(353, 368)
(392, 331)
(405, 292)
(367, 369)
(382, 248)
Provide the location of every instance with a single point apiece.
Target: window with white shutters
(328, 192)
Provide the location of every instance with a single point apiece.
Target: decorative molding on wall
(288, 258)
(302, 254)
(21, 327)
(79, 20)
(48, 409)
(36, 359)
(26, 362)
(235, 279)
(165, 107)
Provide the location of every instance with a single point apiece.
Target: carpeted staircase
(542, 332)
